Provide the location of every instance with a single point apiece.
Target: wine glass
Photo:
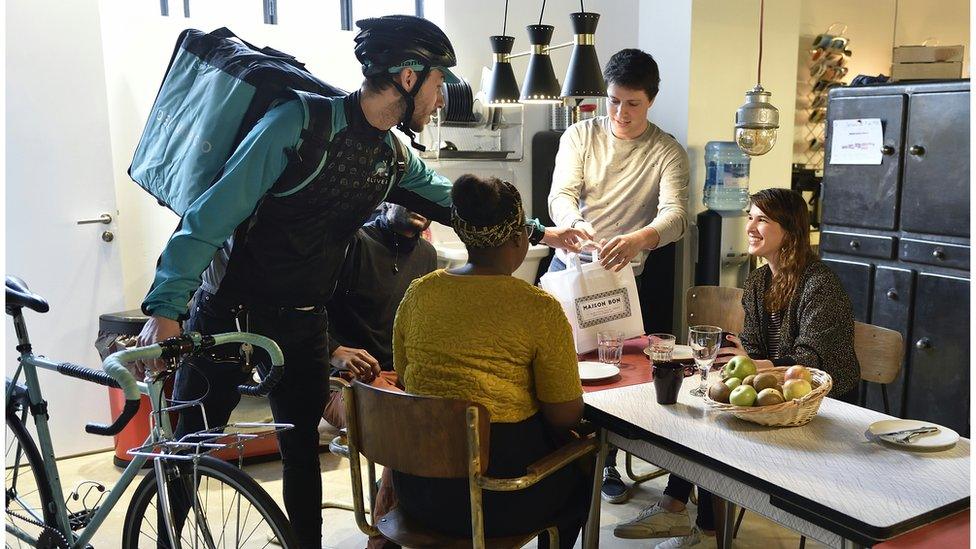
(704, 342)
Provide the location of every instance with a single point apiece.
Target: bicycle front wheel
(226, 508)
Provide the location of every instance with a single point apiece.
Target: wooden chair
(880, 352)
(339, 447)
(438, 438)
(713, 306)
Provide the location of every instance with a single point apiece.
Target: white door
(59, 171)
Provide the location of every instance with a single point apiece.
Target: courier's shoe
(655, 522)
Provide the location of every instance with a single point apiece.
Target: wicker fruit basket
(791, 413)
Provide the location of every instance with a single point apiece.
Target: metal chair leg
(884, 398)
(803, 542)
(693, 496)
(738, 522)
(591, 532)
(629, 466)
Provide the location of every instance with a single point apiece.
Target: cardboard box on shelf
(926, 71)
(927, 54)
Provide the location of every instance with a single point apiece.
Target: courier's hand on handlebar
(157, 329)
(175, 347)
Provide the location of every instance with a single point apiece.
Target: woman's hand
(358, 362)
(566, 238)
(725, 354)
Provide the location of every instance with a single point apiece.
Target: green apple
(733, 382)
(743, 395)
(795, 388)
(739, 366)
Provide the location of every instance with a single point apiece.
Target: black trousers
(561, 499)
(299, 398)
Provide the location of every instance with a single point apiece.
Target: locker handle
(923, 344)
(887, 150)
(892, 294)
(854, 244)
(939, 254)
(916, 150)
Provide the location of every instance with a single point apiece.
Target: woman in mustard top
(477, 333)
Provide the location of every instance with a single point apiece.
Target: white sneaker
(655, 522)
(696, 539)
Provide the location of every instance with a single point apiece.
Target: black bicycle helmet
(386, 45)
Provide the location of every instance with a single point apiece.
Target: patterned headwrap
(491, 236)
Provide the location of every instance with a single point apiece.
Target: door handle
(104, 218)
(916, 150)
(923, 344)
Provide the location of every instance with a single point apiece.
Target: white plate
(945, 438)
(680, 352)
(595, 371)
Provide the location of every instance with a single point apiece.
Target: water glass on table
(704, 342)
(610, 346)
(662, 347)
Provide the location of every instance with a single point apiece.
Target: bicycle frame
(162, 430)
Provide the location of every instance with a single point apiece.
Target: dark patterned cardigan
(817, 326)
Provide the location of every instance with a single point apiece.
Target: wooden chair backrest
(417, 435)
(715, 306)
(879, 352)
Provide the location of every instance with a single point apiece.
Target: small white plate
(596, 371)
(680, 352)
(945, 438)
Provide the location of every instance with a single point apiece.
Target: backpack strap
(307, 158)
(400, 158)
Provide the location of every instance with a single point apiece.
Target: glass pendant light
(757, 119)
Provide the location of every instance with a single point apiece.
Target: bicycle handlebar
(114, 366)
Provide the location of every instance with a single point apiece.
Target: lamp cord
(543, 11)
(505, 20)
(759, 70)
(582, 9)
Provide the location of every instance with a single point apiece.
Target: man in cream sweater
(625, 181)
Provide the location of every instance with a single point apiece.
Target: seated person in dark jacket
(384, 257)
(796, 312)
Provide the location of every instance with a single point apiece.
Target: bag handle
(224, 32)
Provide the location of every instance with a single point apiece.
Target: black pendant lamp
(540, 85)
(503, 90)
(584, 78)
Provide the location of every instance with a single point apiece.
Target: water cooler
(723, 257)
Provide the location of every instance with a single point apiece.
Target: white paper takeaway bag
(595, 299)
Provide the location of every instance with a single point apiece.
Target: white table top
(830, 461)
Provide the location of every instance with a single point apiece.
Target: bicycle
(190, 499)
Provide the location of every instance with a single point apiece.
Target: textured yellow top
(495, 340)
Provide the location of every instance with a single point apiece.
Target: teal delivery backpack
(215, 90)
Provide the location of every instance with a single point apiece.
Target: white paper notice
(856, 141)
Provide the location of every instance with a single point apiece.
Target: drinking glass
(662, 346)
(610, 345)
(704, 342)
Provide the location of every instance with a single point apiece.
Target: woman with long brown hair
(796, 312)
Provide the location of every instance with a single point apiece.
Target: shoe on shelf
(697, 539)
(655, 522)
(614, 490)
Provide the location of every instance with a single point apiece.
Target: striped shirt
(773, 325)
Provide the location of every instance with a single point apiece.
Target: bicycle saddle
(19, 295)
